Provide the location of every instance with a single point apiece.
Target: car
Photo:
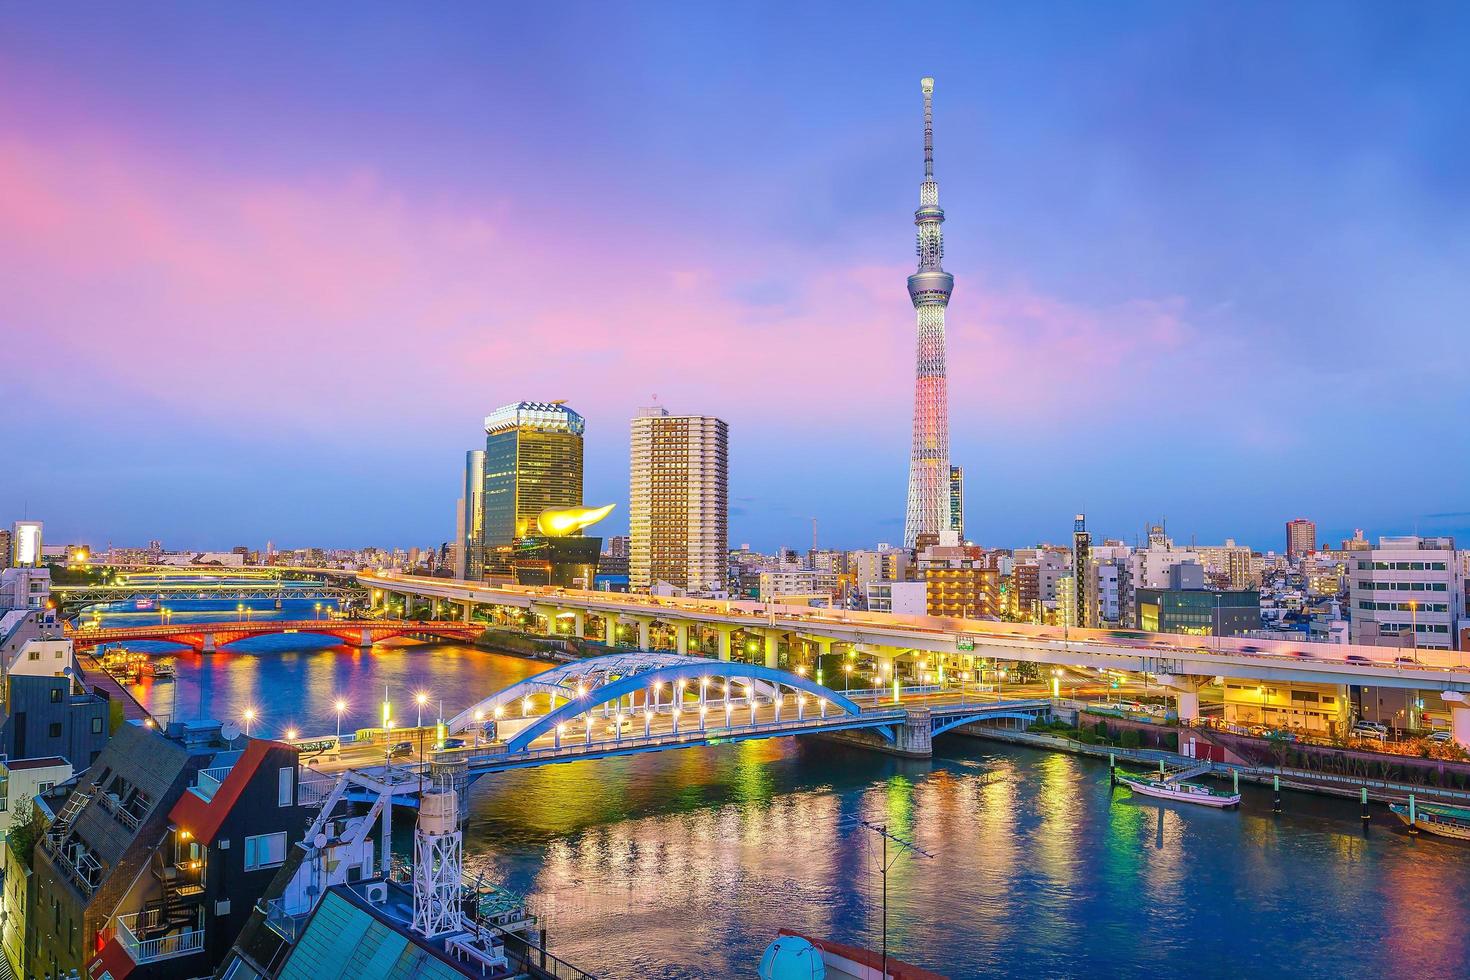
(402, 748)
(454, 743)
(1369, 729)
(1355, 658)
(1441, 737)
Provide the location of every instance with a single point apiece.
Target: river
(685, 863)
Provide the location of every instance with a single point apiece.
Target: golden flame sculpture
(560, 523)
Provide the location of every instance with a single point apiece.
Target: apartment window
(56, 695)
(34, 655)
(54, 729)
(265, 851)
(284, 796)
(96, 726)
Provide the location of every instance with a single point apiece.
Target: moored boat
(1442, 821)
(1165, 789)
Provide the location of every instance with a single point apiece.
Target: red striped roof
(203, 820)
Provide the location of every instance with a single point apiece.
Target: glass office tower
(533, 462)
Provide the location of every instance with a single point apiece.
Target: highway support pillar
(469, 611)
(579, 624)
(1186, 689)
(643, 623)
(681, 638)
(726, 636)
(1459, 704)
(772, 645)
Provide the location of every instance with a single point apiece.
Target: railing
(85, 871)
(162, 948)
(281, 922)
(310, 792)
(208, 782)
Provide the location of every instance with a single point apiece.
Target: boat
(1442, 821)
(1167, 789)
(794, 955)
(161, 666)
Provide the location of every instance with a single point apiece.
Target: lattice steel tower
(929, 288)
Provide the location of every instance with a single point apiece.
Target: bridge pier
(364, 640)
(208, 645)
(914, 738)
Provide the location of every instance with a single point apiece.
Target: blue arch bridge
(634, 703)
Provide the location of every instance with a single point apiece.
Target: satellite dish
(319, 841)
(229, 731)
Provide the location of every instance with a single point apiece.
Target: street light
(318, 609)
(847, 680)
(339, 706)
(420, 699)
(291, 734)
(249, 717)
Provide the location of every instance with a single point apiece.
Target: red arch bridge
(208, 637)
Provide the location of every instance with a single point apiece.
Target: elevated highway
(1181, 663)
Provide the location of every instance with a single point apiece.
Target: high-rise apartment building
(533, 462)
(1301, 538)
(1084, 603)
(678, 502)
(472, 517)
(928, 511)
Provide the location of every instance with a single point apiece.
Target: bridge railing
(572, 745)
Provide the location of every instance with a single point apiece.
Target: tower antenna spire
(928, 86)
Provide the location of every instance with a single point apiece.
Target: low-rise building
(159, 853)
(1408, 587)
(899, 598)
(1199, 612)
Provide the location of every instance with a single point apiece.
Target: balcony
(207, 783)
(182, 943)
(84, 870)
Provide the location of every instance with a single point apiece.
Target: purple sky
(263, 269)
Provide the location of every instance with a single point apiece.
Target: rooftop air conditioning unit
(377, 893)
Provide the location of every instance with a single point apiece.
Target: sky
(264, 268)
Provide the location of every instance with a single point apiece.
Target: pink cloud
(332, 290)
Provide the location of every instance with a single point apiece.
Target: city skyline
(1177, 335)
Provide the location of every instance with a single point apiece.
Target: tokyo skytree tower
(929, 288)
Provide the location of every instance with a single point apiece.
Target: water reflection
(685, 863)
